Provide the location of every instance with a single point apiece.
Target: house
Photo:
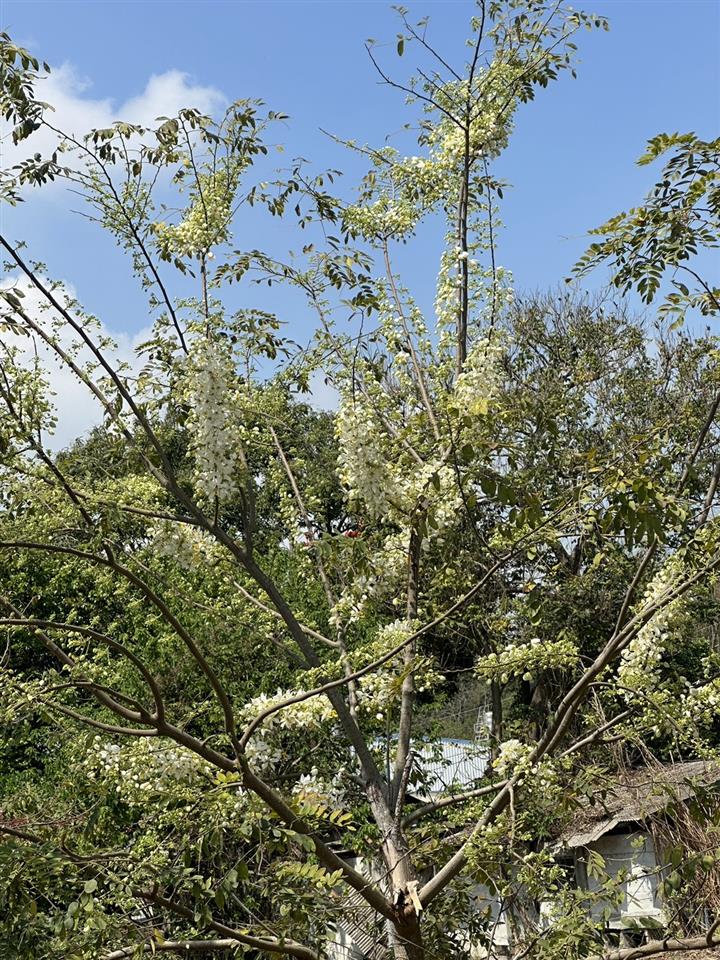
(620, 828)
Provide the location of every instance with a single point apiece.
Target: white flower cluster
(311, 788)
(528, 659)
(513, 757)
(379, 690)
(484, 137)
(403, 190)
(400, 191)
(490, 128)
(351, 603)
(702, 704)
(186, 545)
(206, 222)
(263, 755)
(213, 421)
(311, 714)
(143, 767)
(545, 779)
(434, 483)
(384, 217)
(641, 658)
(362, 466)
(388, 564)
(541, 779)
(480, 380)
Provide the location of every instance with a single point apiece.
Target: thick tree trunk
(405, 935)
(407, 940)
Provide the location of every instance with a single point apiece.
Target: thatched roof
(635, 796)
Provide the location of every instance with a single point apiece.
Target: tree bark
(407, 939)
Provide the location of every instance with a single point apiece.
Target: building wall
(634, 853)
(498, 927)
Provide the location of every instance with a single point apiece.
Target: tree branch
(290, 947)
(186, 947)
(667, 945)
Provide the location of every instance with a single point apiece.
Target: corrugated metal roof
(448, 763)
(360, 925)
(636, 795)
(583, 838)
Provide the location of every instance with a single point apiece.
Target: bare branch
(186, 947)
(102, 638)
(409, 90)
(667, 945)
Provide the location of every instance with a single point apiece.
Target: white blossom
(642, 656)
(213, 421)
(145, 766)
(480, 380)
(312, 787)
(362, 465)
(189, 546)
(512, 755)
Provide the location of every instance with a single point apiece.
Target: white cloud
(166, 93)
(76, 112)
(77, 409)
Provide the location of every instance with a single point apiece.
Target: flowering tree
(492, 462)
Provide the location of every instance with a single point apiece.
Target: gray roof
(635, 796)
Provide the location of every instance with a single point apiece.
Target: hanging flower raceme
(362, 465)
(313, 788)
(477, 386)
(513, 756)
(640, 660)
(528, 660)
(144, 767)
(187, 545)
(669, 704)
(397, 194)
(206, 222)
(311, 714)
(213, 421)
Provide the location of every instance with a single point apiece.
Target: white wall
(634, 853)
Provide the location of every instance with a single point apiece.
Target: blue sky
(571, 161)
